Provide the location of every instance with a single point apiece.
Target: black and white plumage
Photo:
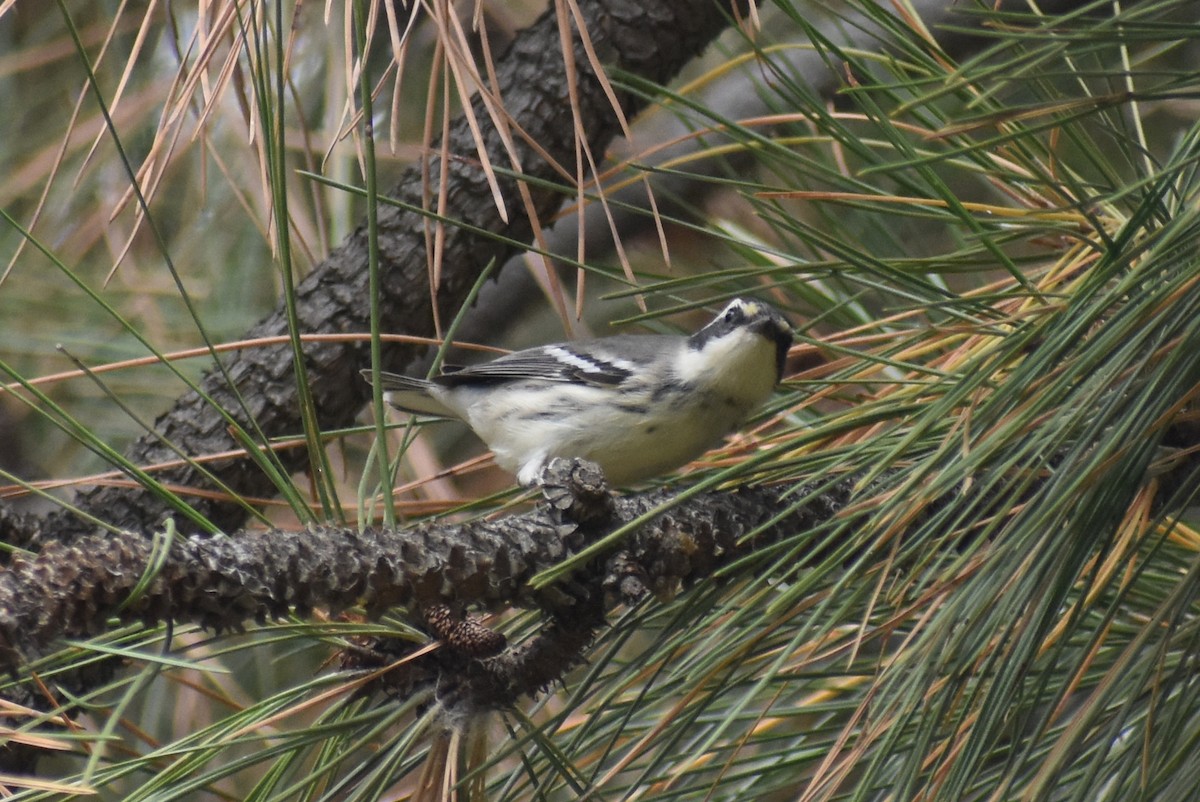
(637, 405)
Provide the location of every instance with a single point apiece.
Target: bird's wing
(600, 362)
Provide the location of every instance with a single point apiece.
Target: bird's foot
(576, 490)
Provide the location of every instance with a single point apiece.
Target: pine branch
(220, 583)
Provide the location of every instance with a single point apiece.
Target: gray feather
(411, 395)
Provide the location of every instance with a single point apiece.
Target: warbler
(638, 406)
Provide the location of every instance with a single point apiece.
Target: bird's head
(744, 326)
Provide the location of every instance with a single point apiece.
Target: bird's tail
(411, 395)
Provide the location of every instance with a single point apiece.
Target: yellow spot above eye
(751, 309)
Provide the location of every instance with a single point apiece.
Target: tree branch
(220, 583)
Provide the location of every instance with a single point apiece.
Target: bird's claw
(576, 489)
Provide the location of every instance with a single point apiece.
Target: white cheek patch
(718, 354)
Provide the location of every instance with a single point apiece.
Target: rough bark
(221, 583)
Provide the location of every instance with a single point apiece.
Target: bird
(638, 406)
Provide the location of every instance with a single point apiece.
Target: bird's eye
(733, 314)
